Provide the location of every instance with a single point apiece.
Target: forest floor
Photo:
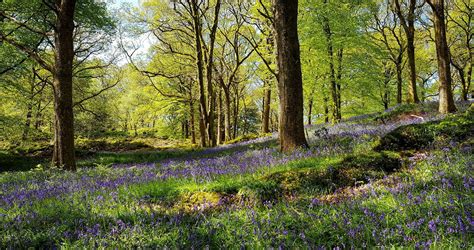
(400, 178)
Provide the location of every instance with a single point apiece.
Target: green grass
(358, 200)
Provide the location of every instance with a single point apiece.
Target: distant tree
(406, 12)
(290, 83)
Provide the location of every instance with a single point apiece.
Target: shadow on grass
(10, 161)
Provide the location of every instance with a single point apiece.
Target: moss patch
(351, 171)
(457, 129)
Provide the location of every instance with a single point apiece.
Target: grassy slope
(349, 197)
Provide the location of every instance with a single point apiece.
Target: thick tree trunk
(290, 82)
(446, 100)
(266, 109)
(62, 82)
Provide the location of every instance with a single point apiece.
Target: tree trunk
(220, 135)
(412, 93)
(200, 72)
(399, 83)
(340, 53)
(38, 114)
(386, 96)
(290, 83)
(310, 110)
(326, 109)
(62, 82)
(236, 114)
(464, 89)
(192, 122)
(266, 109)
(29, 115)
(210, 90)
(408, 24)
(446, 100)
(469, 76)
(227, 115)
(332, 73)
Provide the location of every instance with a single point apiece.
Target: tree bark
(332, 73)
(210, 90)
(220, 134)
(290, 83)
(227, 115)
(62, 82)
(340, 53)
(310, 111)
(236, 114)
(399, 84)
(408, 24)
(200, 72)
(192, 122)
(266, 108)
(446, 100)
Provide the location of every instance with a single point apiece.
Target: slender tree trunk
(446, 100)
(408, 24)
(62, 82)
(386, 96)
(290, 82)
(310, 111)
(38, 114)
(326, 109)
(266, 109)
(204, 120)
(236, 114)
(192, 122)
(412, 93)
(469, 76)
(227, 115)
(340, 53)
(29, 115)
(464, 89)
(210, 90)
(220, 136)
(332, 73)
(399, 83)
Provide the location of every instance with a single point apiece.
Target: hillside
(404, 183)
